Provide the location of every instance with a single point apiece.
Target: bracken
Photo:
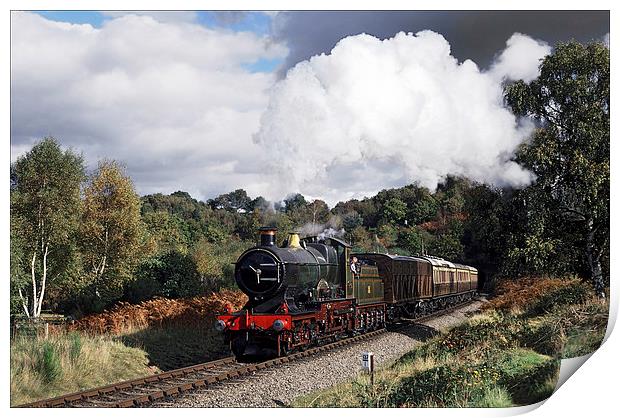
(160, 312)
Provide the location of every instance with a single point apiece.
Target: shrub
(518, 295)
(574, 292)
(194, 311)
(48, 366)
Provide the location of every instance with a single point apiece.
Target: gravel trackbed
(278, 386)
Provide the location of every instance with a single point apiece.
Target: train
(315, 290)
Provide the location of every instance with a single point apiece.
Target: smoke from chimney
(384, 113)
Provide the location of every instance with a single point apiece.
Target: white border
(592, 392)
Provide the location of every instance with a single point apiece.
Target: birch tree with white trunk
(45, 208)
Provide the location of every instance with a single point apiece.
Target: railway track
(146, 390)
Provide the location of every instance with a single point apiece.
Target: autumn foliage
(196, 311)
(517, 295)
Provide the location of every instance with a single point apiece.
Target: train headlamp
(220, 325)
(278, 325)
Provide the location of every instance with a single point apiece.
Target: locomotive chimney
(268, 236)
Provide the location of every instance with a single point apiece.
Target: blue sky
(256, 22)
(95, 19)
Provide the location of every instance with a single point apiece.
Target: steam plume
(382, 113)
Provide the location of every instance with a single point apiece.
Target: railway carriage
(307, 293)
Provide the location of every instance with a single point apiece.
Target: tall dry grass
(64, 363)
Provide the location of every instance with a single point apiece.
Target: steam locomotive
(312, 291)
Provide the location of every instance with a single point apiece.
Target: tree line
(81, 242)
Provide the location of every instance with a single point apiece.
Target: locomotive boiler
(311, 291)
(298, 274)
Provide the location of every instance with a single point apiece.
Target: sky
(335, 105)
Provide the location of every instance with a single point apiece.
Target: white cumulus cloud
(174, 101)
(379, 113)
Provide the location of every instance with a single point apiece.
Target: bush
(143, 288)
(517, 296)
(500, 358)
(523, 376)
(48, 366)
(574, 292)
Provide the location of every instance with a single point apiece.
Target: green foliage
(176, 275)
(414, 240)
(45, 207)
(361, 239)
(75, 346)
(569, 154)
(18, 274)
(166, 232)
(501, 333)
(443, 386)
(423, 210)
(491, 360)
(215, 263)
(394, 211)
(448, 244)
(111, 232)
(351, 220)
(569, 295)
(49, 366)
(233, 201)
(388, 234)
(180, 246)
(294, 202)
(530, 377)
(546, 337)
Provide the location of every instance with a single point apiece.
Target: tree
(394, 210)
(294, 202)
(414, 240)
(351, 220)
(319, 211)
(233, 201)
(45, 207)
(165, 232)
(111, 230)
(569, 153)
(425, 209)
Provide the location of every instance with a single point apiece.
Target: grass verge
(65, 363)
(508, 355)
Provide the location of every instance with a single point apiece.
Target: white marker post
(368, 364)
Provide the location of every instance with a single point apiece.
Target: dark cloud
(476, 35)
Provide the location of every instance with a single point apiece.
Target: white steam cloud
(520, 59)
(382, 113)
